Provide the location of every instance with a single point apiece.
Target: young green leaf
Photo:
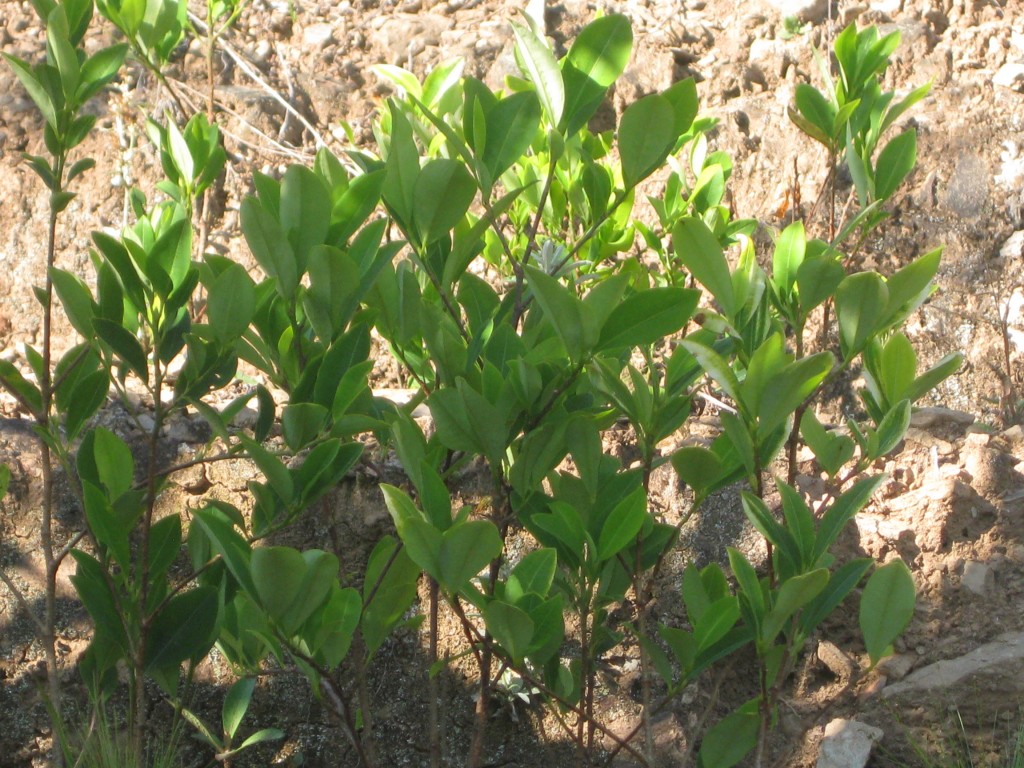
(542, 69)
(886, 607)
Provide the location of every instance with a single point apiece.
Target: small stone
(1013, 248)
(847, 744)
(813, 11)
(897, 666)
(1010, 76)
(888, 7)
(937, 415)
(978, 577)
(261, 52)
(317, 36)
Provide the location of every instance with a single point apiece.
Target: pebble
(318, 36)
(813, 11)
(847, 744)
(1010, 76)
(1013, 248)
(977, 577)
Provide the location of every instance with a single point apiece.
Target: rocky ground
(954, 507)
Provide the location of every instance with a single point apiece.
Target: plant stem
(49, 640)
(432, 685)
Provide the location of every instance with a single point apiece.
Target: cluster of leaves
(521, 297)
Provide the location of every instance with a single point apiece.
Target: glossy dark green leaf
(301, 423)
(832, 450)
(647, 316)
(533, 574)
(184, 630)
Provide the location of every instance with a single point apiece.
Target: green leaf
(748, 583)
(226, 542)
(891, 430)
(305, 212)
(236, 702)
(931, 378)
(622, 525)
(533, 574)
(716, 367)
(302, 423)
(861, 301)
(683, 98)
(542, 69)
(94, 591)
(700, 252)
(231, 303)
(842, 510)
(466, 549)
(787, 258)
(819, 113)
(269, 246)
(886, 607)
(697, 467)
(840, 584)
(511, 627)
(831, 450)
(273, 469)
(894, 164)
(817, 279)
(573, 321)
(512, 125)
(184, 630)
(793, 594)
(124, 345)
(164, 544)
(76, 299)
(401, 168)
(730, 739)
(646, 137)
(442, 194)
(598, 56)
(647, 316)
(774, 532)
(37, 91)
(716, 620)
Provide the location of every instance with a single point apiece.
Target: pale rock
(977, 577)
(317, 36)
(847, 744)
(1010, 76)
(932, 416)
(888, 7)
(897, 666)
(1013, 248)
(1000, 661)
(813, 11)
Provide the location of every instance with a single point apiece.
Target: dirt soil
(953, 508)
